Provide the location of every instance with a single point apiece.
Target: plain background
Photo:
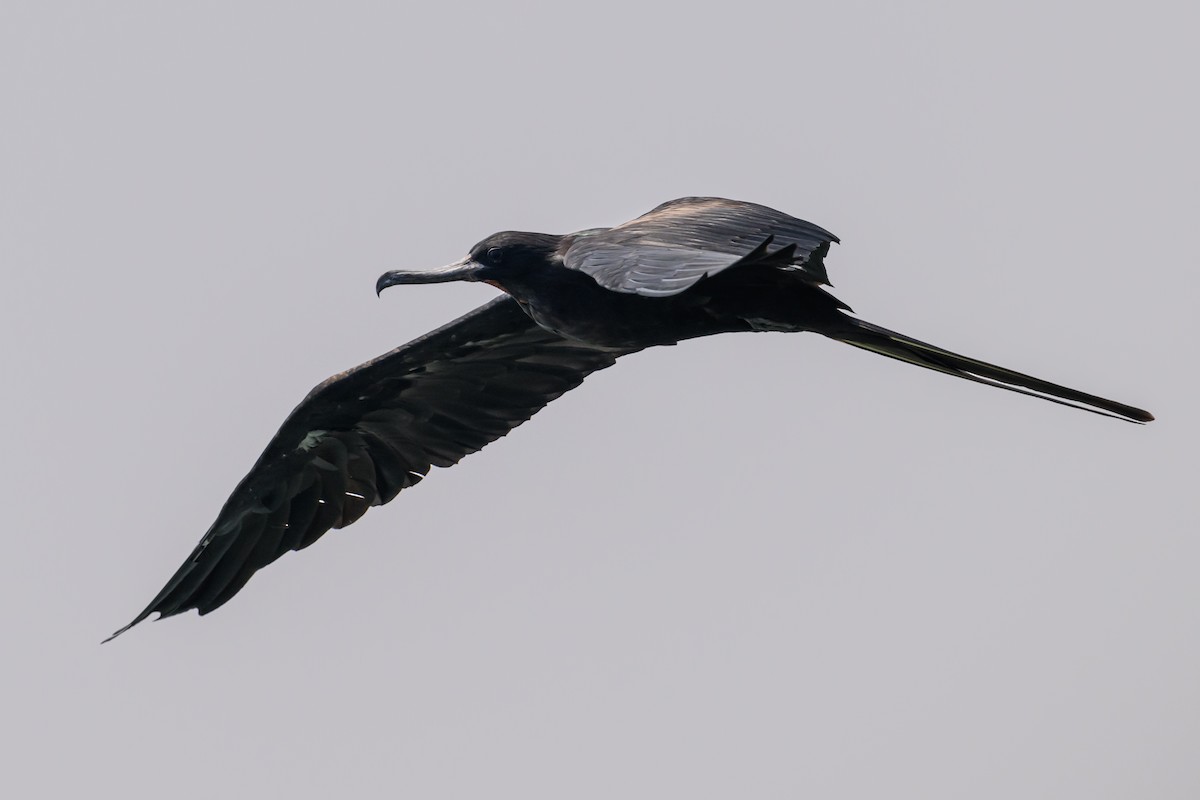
(752, 566)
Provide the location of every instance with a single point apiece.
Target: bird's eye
(495, 255)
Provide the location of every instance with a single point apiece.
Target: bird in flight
(573, 304)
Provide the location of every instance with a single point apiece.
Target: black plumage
(691, 267)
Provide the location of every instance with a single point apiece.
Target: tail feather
(912, 351)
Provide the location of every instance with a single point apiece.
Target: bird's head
(498, 259)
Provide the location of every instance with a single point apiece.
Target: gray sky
(750, 566)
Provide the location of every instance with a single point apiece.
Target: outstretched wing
(360, 437)
(669, 249)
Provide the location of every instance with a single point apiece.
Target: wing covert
(671, 248)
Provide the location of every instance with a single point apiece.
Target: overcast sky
(760, 565)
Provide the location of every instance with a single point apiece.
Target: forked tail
(900, 347)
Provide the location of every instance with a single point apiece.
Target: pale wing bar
(669, 249)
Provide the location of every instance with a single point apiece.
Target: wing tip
(140, 618)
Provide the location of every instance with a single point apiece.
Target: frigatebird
(573, 304)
